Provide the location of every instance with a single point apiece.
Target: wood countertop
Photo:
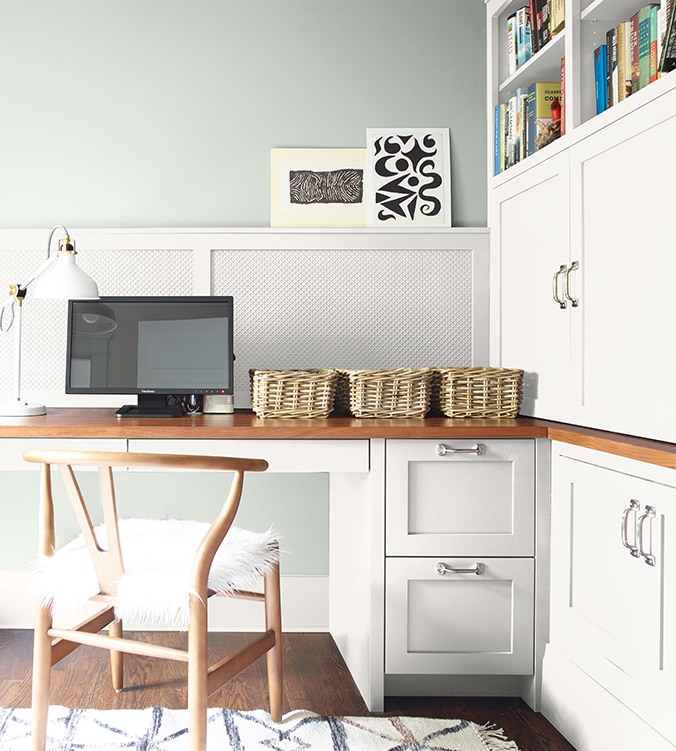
(87, 422)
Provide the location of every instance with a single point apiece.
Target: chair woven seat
(158, 556)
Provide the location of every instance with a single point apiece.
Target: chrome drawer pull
(649, 513)
(443, 568)
(634, 506)
(443, 450)
(555, 286)
(574, 266)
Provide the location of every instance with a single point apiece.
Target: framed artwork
(409, 177)
(317, 188)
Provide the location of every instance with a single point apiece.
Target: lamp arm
(18, 291)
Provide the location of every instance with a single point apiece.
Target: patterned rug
(159, 729)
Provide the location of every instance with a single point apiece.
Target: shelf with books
(545, 65)
(630, 42)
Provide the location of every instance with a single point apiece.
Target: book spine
(668, 57)
(622, 47)
(563, 96)
(523, 43)
(633, 44)
(653, 43)
(557, 19)
(521, 97)
(611, 42)
(531, 117)
(496, 141)
(601, 77)
(511, 45)
(644, 46)
(543, 22)
(534, 33)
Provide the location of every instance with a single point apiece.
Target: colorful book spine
(557, 17)
(601, 77)
(622, 32)
(633, 44)
(653, 42)
(563, 96)
(523, 36)
(511, 44)
(611, 42)
(644, 45)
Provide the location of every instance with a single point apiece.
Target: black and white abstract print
(410, 177)
(329, 186)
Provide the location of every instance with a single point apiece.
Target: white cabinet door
(614, 585)
(463, 623)
(473, 499)
(622, 229)
(529, 244)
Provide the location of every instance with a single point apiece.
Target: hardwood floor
(315, 679)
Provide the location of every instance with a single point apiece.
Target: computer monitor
(170, 351)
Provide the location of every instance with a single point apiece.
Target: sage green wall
(162, 113)
(295, 505)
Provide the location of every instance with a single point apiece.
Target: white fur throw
(158, 556)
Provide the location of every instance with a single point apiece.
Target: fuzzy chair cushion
(158, 556)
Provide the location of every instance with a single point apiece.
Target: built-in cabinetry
(580, 247)
(460, 565)
(610, 670)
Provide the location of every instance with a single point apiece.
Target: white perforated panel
(346, 308)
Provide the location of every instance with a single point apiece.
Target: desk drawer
(460, 623)
(469, 501)
(282, 455)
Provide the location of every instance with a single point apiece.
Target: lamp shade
(65, 280)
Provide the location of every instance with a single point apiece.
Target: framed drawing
(317, 188)
(409, 177)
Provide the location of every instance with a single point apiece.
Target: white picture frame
(318, 187)
(408, 177)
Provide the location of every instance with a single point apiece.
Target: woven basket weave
(479, 392)
(402, 392)
(292, 393)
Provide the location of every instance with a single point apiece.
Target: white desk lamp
(64, 280)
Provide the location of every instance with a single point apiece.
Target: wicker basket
(292, 393)
(480, 392)
(403, 392)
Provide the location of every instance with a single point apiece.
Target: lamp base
(21, 409)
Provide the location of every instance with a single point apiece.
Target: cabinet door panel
(622, 219)
(460, 504)
(459, 622)
(612, 614)
(529, 242)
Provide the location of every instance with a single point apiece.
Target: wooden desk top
(102, 423)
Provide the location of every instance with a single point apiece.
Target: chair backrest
(108, 561)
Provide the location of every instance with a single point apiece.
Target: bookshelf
(586, 24)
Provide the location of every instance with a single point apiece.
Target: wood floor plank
(315, 678)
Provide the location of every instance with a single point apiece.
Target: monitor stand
(150, 405)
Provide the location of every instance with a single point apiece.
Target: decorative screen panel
(346, 308)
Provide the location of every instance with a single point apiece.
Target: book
(633, 47)
(557, 16)
(543, 22)
(541, 128)
(497, 138)
(668, 56)
(510, 133)
(523, 36)
(622, 32)
(653, 43)
(611, 43)
(563, 96)
(520, 132)
(662, 22)
(534, 37)
(644, 45)
(511, 44)
(601, 77)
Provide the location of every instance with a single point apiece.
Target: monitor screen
(155, 347)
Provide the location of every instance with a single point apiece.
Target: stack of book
(529, 28)
(526, 123)
(636, 52)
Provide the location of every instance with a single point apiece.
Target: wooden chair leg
(116, 658)
(273, 621)
(197, 674)
(42, 668)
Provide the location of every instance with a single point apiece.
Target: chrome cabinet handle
(634, 506)
(574, 266)
(443, 568)
(649, 514)
(443, 450)
(555, 286)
